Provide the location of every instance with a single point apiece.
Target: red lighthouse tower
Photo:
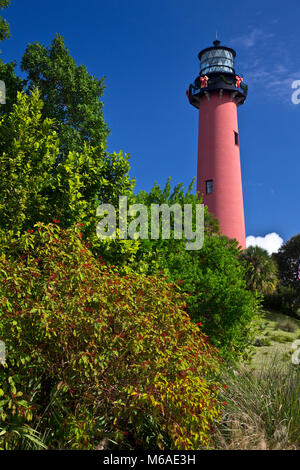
(217, 92)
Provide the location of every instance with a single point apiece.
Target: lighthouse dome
(217, 59)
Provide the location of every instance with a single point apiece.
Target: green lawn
(277, 333)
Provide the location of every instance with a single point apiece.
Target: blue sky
(148, 52)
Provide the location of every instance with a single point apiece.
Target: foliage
(176, 196)
(28, 150)
(144, 255)
(34, 187)
(20, 436)
(284, 300)
(287, 295)
(13, 84)
(288, 261)
(261, 275)
(52, 151)
(4, 27)
(213, 277)
(70, 94)
(263, 408)
(218, 299)
(92, 355)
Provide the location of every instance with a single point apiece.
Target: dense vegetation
(262, 271)
(109, 342)
(92, 355)
(286, 297)
(213, 277)
(36, 185)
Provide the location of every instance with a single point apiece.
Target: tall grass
(263, 408)
(23, 437)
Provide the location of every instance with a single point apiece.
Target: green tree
(261, 275)
(70, 94)
(4, 26)
(143, 256)
(28, 151)
(287, 295)
(34, 187)
(213, 277)
(288, 262)
(152, 250)
(218, 299)
(13, 85)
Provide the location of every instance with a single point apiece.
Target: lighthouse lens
(217, 60)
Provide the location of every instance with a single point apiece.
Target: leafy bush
(92, 355)
(212, 277)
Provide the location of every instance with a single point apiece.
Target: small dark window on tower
(209, 186)
(236, 138)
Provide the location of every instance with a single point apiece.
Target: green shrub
(217, 294)
(92, 355)
(213, 277)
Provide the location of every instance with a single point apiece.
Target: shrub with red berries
(99, 355)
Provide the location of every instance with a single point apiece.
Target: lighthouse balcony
(220, 84)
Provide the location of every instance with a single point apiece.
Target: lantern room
(218, 59)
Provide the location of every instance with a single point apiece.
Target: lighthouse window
(209, 186)
(236, 138)
(217, 60)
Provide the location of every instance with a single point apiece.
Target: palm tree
(262, 270)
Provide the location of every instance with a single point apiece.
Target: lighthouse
(217, 92)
